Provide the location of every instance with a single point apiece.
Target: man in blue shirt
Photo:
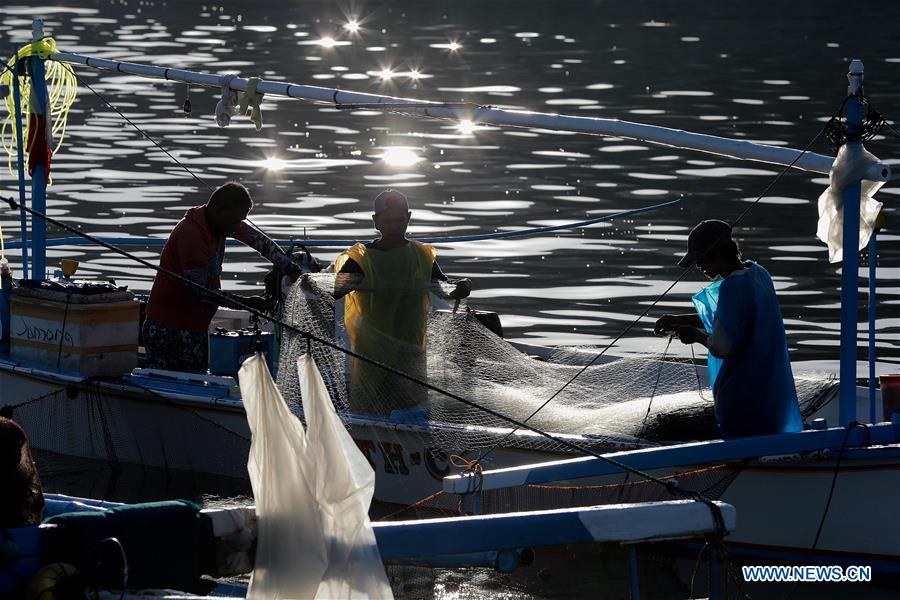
(739, 321)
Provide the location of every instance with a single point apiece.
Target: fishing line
(684, 274)
(345, 243)
(671, 486)
(145, 134)
(655, 387)
(203, 182)
(837, 468)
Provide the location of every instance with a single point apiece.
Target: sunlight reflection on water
(317, 167)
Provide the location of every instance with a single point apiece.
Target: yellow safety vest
(386, 320)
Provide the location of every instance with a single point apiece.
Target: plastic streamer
(62, 87)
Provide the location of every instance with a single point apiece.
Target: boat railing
(696, 453)
(853, 106)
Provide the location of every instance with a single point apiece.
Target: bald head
(391, 217)
(390, 200)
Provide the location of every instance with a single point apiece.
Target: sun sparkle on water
(466, 127)
(272, 163)
(400, 157)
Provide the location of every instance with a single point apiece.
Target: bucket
(890, 394)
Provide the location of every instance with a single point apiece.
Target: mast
(850, 263)
(20, 163)
(38, 131)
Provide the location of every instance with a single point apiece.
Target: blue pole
(850, 266)
(39, 175)
(633, 571)
(20, 151)
(873, 262)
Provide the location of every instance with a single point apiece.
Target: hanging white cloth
(312, 491)
(227, 105)
(851, 164)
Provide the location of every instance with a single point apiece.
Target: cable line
(672, 486)
(656, 300)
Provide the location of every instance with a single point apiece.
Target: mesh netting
(118, 423)
(625, 402)
(617, 404)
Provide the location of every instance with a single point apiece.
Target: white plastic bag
(312, 495)
(345, 483)
(852, 162)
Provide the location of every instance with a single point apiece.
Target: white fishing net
(614, 403)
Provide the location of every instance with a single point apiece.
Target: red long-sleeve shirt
(194, 252)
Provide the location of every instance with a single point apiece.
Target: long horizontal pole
(619, 523)
(346, 243)
(741, 149)
(693, 453)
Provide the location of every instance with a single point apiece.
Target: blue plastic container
(229, 349)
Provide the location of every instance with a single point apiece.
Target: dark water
(768, 71)
(765, 71)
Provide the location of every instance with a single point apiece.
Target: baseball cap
(704, 238)
(389, 199)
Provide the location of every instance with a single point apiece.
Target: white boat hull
(780, 503)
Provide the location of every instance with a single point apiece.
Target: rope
(836, 129)
(655, 387)
(460, 462)
(61, 91)
(177, 405)
(149, 138)
(62, 335)
(416, 504)
(892, 128)
(220, 295)
(10, 408)
(837, 468)
(731, 570)
(673, 488)
(656, 300)
(696, 373)
(345, 243)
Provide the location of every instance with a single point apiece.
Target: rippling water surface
(313, 169)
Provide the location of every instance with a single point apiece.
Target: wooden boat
(196, 423)
(171, 545)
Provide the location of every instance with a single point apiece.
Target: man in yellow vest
(385, 284)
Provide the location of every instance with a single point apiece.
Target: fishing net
(108, 424)
(614, 403)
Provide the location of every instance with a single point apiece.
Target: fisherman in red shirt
(178, 316)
